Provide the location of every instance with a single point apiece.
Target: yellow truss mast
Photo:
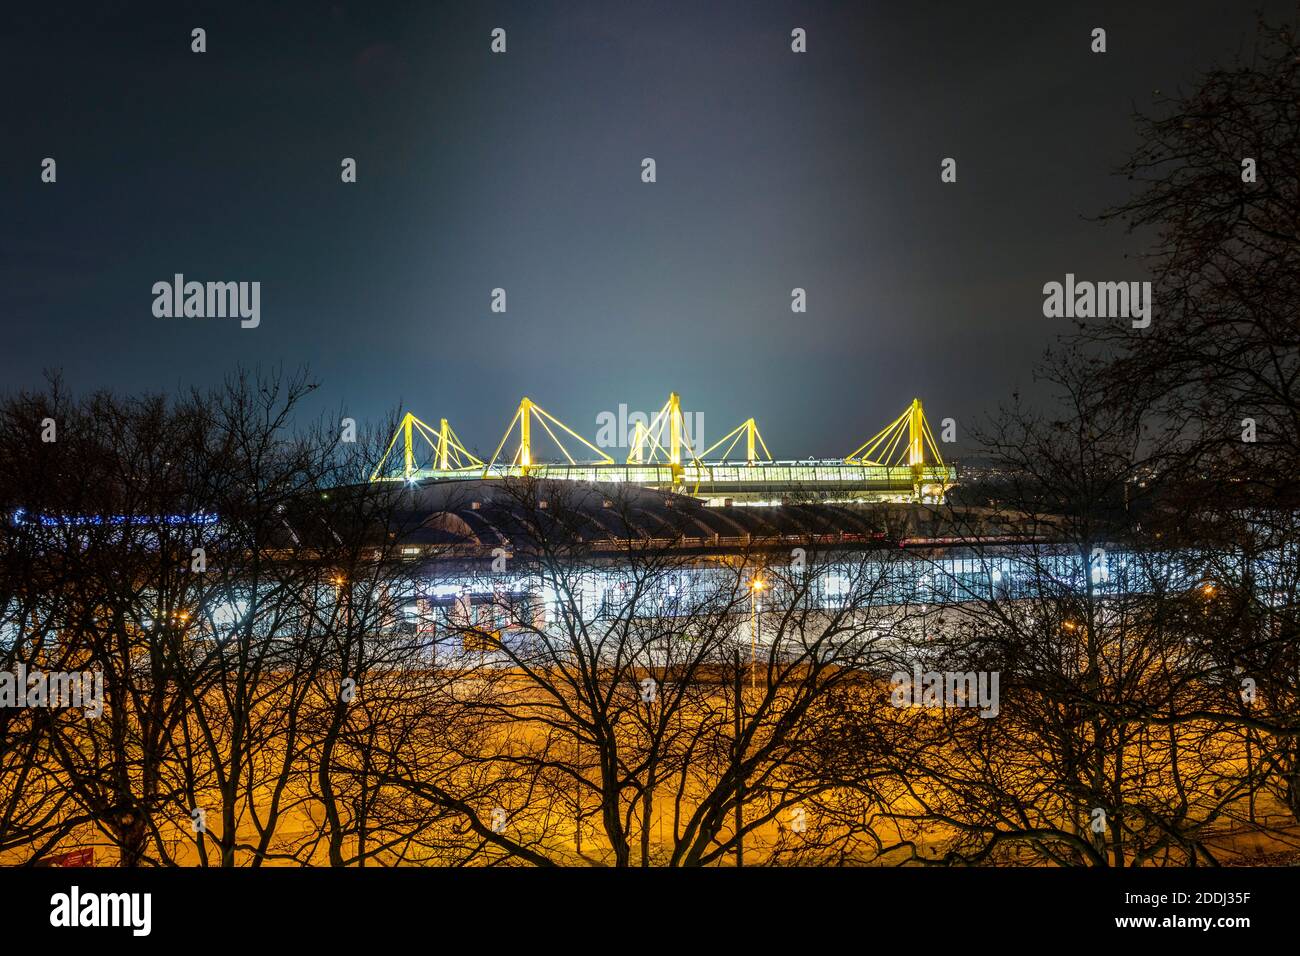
(523, 458)
(666, 434)
(650, 441)
(753, 441)
(887, 447)
(449, 453)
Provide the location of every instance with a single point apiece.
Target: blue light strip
(197, 518)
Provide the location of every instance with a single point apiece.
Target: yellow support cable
(558, 444)
(374, 476)
(886, 447)
(650, 434)
(934, 445)
(891, 457)
(753, 441)
(733, 434)
(605, 459)
(669, 418)
(634, 453)
(504, 438)
(865, 451)
(410, 452)
(642, 436)
(451, 451)
(523, 457)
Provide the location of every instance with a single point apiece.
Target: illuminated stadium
(899, 463)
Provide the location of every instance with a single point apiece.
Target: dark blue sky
(522, 171)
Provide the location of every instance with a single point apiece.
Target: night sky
(523, 171)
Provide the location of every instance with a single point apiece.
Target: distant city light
(197, 517)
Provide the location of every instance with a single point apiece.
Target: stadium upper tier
(470, 517)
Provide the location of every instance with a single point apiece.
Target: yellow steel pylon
(649, 441)
(448, 452)
(523, 456)
(641, 442)
(887, 446)
(753, 441)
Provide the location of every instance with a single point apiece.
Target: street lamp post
(755, 586)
